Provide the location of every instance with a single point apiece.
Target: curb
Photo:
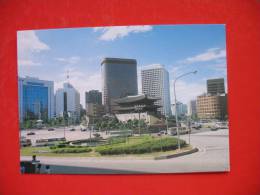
(177, 155)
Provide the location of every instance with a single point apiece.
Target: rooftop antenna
(68, 76)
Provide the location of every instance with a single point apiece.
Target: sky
(53, 54)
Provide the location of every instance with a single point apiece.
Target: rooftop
(118, 60)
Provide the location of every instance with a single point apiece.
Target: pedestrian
(47, 169)
(38, 168)
(22, 169)
(34, 158)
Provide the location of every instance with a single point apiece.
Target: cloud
(28, 43)
(28, 63)
(115, 32)
(69, 60)
(208, 55)
(187, 91)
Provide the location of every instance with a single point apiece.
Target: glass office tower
(36, 99)
(119, 80)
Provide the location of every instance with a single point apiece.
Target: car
(214, 128)
(25, 142)
(163, 132)
(31, 133)
(96, 135)
(72, 129)
(83, 129)
(51, 129)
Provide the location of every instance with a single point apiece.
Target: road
(213, 156)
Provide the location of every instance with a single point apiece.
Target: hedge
(147, 146)
(72, 150)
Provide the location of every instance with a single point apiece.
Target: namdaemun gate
(137, 107)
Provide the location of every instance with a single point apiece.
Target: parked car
(196, 126)
(96, 135)
(31, 133)
(25, 142)
(214, 128)
(72, 129)
(83, 129)
(51, 129)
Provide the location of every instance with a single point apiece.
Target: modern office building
(181, 109)
(36, 99)
(93, 100)
(67, 102)
(212, 106)
(155, 83)
(119, 78)
(95, 110)
(192, 108)
(216, 86)
(94, 97)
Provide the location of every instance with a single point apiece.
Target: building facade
(192, 108)
(36, 99)
(155, 83)
(95, 110)
(216, 86)
(181, 109)
(67, 101)
(212, 106)
(119, 79)
(94, 97)
(93, 100)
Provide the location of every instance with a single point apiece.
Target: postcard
(123, 100)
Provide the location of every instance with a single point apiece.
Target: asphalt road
(213, 156)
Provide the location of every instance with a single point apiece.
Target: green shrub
(146, 145)
(72, 150)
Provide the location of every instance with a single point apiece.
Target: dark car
(72, 129)
(25, 142)
(51, 129)
(31, 133)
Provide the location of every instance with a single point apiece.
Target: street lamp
(166, 120)
(175, 102)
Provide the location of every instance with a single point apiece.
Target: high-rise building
(94, 107)
(67, 101)
(94, 97)
(181, 109)
(119, 80)
(215, 86)
(212, 106)
(192, 108)
(155, 83)
(36, 99)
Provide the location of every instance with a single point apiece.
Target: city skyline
(81, 54)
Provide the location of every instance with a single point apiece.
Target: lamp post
(166, 120)
(175, 102)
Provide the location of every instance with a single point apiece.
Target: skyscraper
(67, 101)
(36, 99)
(155, 83)
(94, 107)
(119, 80)
(215, 86)
(93, 96)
